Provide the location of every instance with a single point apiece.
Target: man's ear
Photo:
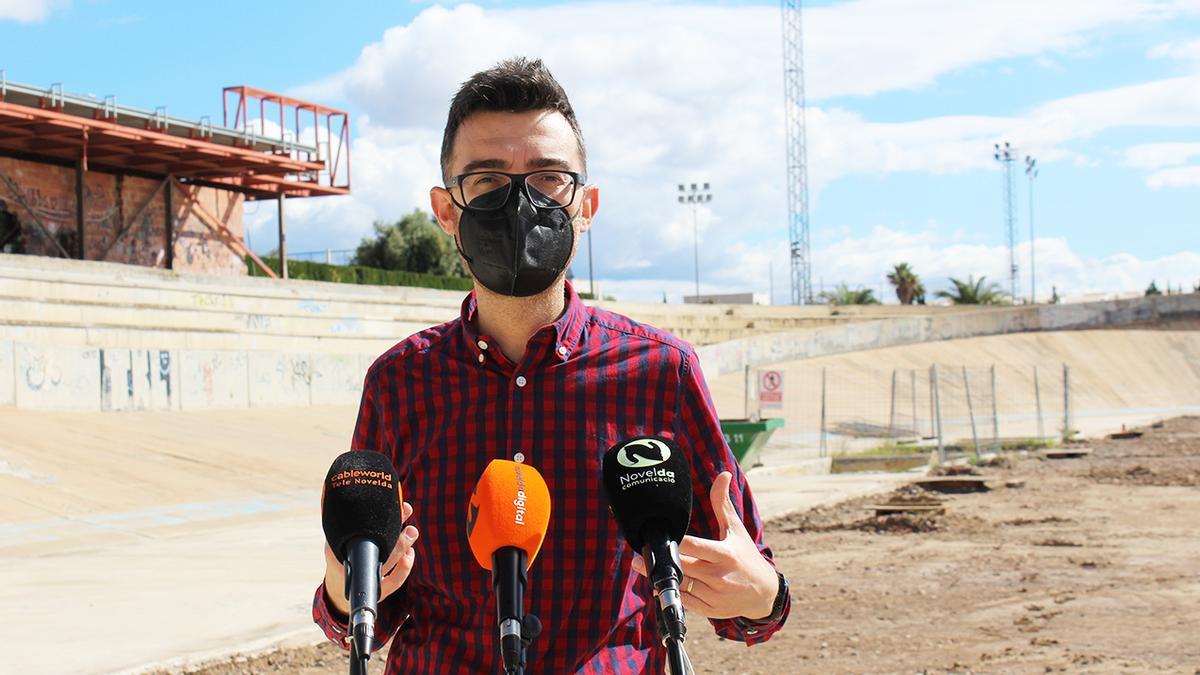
(589, 204)
(444, 210)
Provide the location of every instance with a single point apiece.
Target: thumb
(727, 517)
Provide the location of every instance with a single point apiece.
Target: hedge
(370, 276)
(356, 274)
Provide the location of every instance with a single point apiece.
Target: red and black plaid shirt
(446, 401)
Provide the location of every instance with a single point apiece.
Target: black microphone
(649, 486)
(360, 513)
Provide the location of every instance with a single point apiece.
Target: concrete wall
(280, 380)
(138, 379)
(8, 374)
(58, 378)
(73, 378)
(734, 356)
(337, 379)
(39, 376)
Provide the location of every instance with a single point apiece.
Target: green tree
(844, 295)
(414, 243)
(907, 284)
(972, 292)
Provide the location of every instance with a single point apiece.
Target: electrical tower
(797, 160)
(1006, 154)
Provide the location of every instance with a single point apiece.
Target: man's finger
(405, 512)
(639, 563)
(697, 587)
(693, 604)
(701, 570)
(394, 579)
(727, 516)
(404, 544)
(704, 549)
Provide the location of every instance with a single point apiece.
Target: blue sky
(905, 101)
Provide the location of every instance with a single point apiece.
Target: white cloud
(1174, 177)
(1176, 51)
(1172, 102)
(872, 46)
(29, 10)
(1168, 162)
(864, 262)
(1159, 155)
(670, 93)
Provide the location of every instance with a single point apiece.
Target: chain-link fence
(971, 409)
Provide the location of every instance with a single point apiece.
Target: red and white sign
(770, 389)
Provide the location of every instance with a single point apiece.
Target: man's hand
(395, 569)
(728, 577)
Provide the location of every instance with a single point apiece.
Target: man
(528, 373)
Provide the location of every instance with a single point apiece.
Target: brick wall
(111, 201)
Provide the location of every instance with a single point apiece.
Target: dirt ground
(1068, 565)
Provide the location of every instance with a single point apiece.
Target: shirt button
(519, 457)
(562, 351)
(521, 381)
(481, 358)
(482, 344)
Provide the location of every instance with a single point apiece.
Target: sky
(905, 100)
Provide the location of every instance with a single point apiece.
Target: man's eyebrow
(536, 163)
(484, 164)
(549, 162)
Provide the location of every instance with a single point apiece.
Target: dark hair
(513, 85)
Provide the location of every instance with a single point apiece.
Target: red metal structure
(308, 158)
(331, 149)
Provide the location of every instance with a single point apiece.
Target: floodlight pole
(1032, 172)
(1005, 154)
(695, 196)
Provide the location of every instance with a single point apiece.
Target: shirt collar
(566, 331)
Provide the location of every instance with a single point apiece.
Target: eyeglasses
(489, 190)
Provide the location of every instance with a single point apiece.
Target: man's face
(515, 143)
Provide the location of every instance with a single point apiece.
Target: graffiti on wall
(41, 371)
(136, 379)
(57, 377)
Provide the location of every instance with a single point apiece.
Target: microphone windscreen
(648, 478)
(361, 498)
(509, 507)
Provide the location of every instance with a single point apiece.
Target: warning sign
(770, 389)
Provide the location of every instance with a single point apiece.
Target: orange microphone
(506, 524)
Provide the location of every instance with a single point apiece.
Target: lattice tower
(797, 161)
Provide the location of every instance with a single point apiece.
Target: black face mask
(517, 250)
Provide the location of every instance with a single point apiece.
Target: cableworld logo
(357, 477)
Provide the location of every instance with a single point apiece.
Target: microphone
(649, 485)
(506, 524)
(360, 513)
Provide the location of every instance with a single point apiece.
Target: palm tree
(907, 284)
(972, 292)
(844, 295)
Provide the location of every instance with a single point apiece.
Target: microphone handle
(363, 572)
(677, 660)
(508, 581)
(661, 554)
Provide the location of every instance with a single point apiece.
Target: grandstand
(91, 179)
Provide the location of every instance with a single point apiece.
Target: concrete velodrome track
(141, 538)
(172, 530)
